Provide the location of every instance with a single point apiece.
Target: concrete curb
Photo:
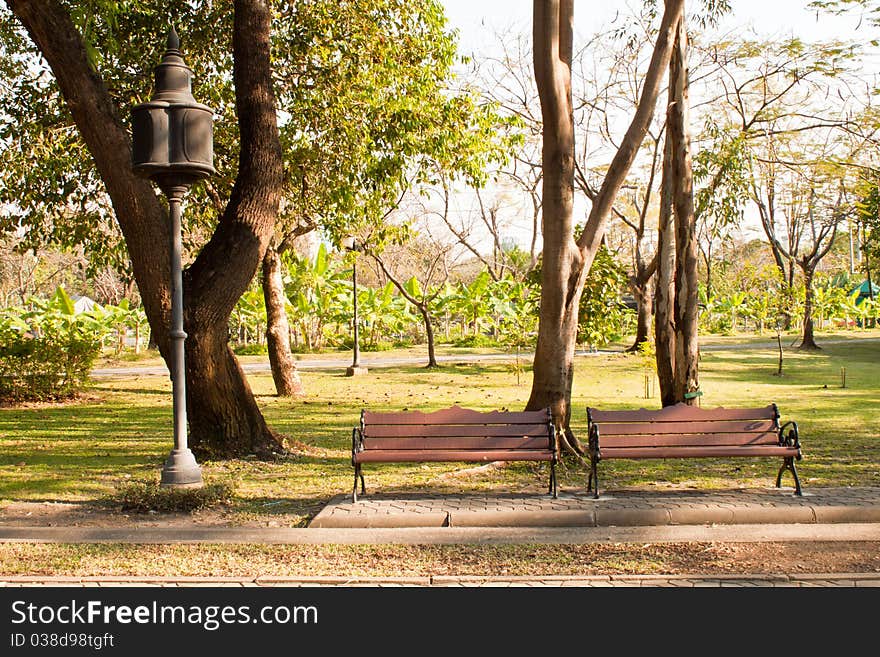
(447, 535)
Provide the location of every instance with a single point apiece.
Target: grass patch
(122, 430)
(147, 496)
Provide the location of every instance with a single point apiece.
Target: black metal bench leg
(354, 490)
(554, 486)
(797, 481)
(594, 479)
(788, 464)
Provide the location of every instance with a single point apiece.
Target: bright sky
(477, 20)
(779, 18)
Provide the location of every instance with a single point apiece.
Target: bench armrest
(593, 440)
(357, 442)
(792, 438)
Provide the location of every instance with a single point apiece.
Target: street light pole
(172, 145)
(351, 244)
(180, 468)
(354, 286)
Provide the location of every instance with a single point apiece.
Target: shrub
(478, 340)
(47, 353)
(253, 349)
(146, 496)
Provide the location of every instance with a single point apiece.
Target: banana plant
(382, 312)
(320, 293)
(472, 300)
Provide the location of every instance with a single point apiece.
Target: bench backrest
(683, 425)
(457, 428)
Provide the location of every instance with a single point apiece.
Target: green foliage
(252, 349)
(150, 496)
(478, 340)
(602, 316)
(647, 353)
(721, 171)
(47, 352)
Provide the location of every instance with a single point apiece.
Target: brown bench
(453, 434)
(683, 431)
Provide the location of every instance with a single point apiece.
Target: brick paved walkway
(616, 508)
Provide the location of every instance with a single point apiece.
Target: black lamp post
(172, 145)
(351, 244)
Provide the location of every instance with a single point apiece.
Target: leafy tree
(370, 109)
(94, 53)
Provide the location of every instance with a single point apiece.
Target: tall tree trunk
(566, 262)
(233, 425)
(281, 361)
(223, 415)
(429, 334)
(560, 296)
(808, 342)
(641, 290)
(664, 299)
(686, 309)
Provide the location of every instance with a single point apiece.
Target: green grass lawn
(121, 429)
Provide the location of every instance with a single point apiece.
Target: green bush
(146, 496)
(47, 352)
(478, 340)
(253, 349)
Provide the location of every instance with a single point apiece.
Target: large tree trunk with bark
(566, 262)
(281, 361)
(557, 333)
(246, 227)
(664, 299)
(223, 415)
(686, 309)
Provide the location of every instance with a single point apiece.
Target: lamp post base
(181, 470)
(356, 371)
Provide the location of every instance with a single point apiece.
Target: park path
(341, 362)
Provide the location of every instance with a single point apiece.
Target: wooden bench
(453, 434)
(683, 431)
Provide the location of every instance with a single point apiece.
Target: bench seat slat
(456, 415)
(685, 452)
(683, 412)
(703, 426)
(417, 456)
(687, 439)
(442, 430)
(460, 442)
